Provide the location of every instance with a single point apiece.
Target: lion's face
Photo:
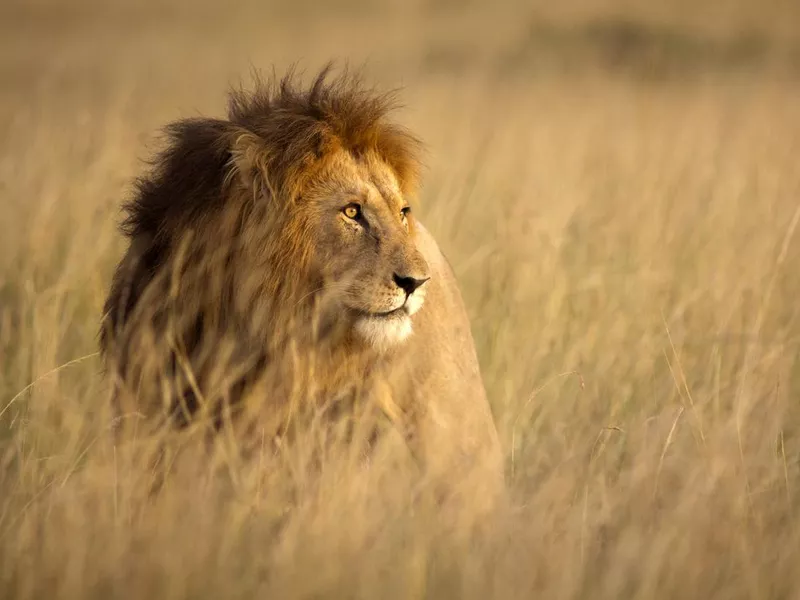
(364, 249)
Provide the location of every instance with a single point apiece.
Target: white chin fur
(382, 333)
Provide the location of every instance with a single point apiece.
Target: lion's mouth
(398, 312)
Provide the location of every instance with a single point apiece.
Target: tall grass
(628, 251)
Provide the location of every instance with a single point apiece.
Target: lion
(274, 255)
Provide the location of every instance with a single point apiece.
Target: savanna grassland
(617, 186)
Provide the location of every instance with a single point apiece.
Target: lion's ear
(249, 160)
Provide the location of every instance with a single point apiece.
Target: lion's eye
(352, 211)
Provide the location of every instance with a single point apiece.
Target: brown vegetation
(627, 246)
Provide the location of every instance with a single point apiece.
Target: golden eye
(352, 211)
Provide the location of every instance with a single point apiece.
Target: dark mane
(186, 180)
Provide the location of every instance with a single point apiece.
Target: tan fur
(247, 290)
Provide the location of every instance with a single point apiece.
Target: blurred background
(616, 183)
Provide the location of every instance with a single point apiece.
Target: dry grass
(628, 249)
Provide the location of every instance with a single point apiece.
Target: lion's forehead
(371, 178)
(383, 178)
(383, 185)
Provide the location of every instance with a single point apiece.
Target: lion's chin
(383, 332)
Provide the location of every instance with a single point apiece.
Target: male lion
(274, 256)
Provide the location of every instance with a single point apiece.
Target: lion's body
(274, 262)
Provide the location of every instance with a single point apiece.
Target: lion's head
(305, 192)
(291, 215)
(362, 260)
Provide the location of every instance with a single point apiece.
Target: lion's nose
(409, 284)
